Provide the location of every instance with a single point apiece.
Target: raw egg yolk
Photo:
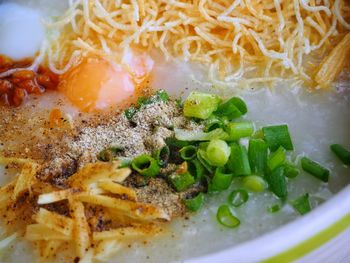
(96, 84)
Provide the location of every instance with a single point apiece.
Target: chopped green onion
(203, 158)
(196, 169)
(238, 162)
(276, 159)
(278, 182)
(179, 103)
(290, 170)
(145, 165)
(181, 181)
(237, 130)
(173, 142)
(213, 123)
(302, 204)
(108, 154)
(226, 218)
(162, 156)
(315, 169)
(218, 152)
(233, 108)
(258, 134)
(342, 153)
(238, 197)
(130, 112)
(142, 100)
(195, 203)
(189, 135)
(188, 152)
(221, 180)
(161, 95)
(277, 136)
(274, 208)
(254, 183)
(200, 105)
(257, 153)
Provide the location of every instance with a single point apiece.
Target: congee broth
(157, 131)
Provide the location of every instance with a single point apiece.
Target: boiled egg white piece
(21, 31)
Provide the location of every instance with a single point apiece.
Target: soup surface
(315, 120)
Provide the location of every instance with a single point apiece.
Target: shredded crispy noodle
(275, 37)
(95, 194)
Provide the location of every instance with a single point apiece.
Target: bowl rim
(310, 232)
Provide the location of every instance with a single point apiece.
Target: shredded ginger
(260, 39)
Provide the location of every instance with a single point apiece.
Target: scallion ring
(238, 197)
(162, 156)
(221, 180)
(226, 218)
(145, 165)
(195, 203)
(188, 152)
(254, 183)
(218, 152)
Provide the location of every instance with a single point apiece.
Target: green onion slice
(277, 158)
(237, 130)
(173, 142)
(200, 105)
(290, 170)
(254, 183)
(226, 218)
(258, 134)
(278, 182)
(342, 153)
(195, 203)
(196, 169)
(162, 155)
(277, 136)
(182, 181)
(130, 112)
(274, 208)
(257, 153)
(161, 95)
(238, 197)
(213, 123)
(315, 169)
(145, 165)
(189, 135)
(203, 158)
(218, 152)
(188, 152)
(233, 108)
(302, 204)
(221, 180)
(238, 162)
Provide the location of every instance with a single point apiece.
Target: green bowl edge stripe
(312, 243)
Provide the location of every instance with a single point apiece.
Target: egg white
(21, 31)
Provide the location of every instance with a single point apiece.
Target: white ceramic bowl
(323, 235)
